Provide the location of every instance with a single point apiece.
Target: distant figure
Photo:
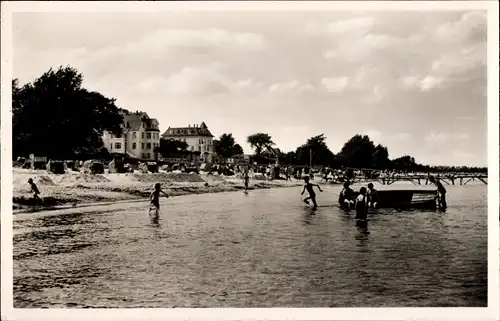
(312, 195)
(34, 189)
(346, 196)
(362, 205)
(155, 198)
(246, 179)
(441, 191)
(372, 196)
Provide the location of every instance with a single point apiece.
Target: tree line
(55, 116)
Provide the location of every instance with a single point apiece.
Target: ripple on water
(257, 250)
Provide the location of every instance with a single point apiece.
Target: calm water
(263, 249)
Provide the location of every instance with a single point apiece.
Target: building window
(149, 155)
(143, 155)
(149, 145)
(134, 145)
(118, 145)
(142, 145)
(134, 135)
(192, 148)
(199, 148)
(142, 135)
(111, 146)
(148, 135)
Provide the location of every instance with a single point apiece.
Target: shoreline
(76, 190)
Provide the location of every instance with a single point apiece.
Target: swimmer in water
(155, 198)
(372, 196)
(312, 195)
(362, 205)
(346, 196)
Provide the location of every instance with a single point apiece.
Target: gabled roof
(133, 121)
(198, 131)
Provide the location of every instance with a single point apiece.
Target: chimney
(189, 126)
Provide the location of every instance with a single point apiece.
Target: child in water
(362, 205)
(312, 195)
(155, 198)
(246, 178)
(372, 196)
(346, 196)
(34, 189)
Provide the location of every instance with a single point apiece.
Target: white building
(141, 135)
(198, 138)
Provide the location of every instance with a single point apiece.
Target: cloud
(402, 136)
(360, 25)
(463, 29)
(424, 83)
(335, 85)
(292, 86)
(439, 137)
(196, 81)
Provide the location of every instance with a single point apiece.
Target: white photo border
(492, 312)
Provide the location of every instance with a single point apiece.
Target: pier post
(461, 180)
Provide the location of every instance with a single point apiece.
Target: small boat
(403, 199)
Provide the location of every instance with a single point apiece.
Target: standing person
(155, 198)
(312, 195)
(372, 196)
(362, 205)
(441, 191)
(246, 179)
(34, 189)
(287, 174)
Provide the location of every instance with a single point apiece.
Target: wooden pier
(370, 175)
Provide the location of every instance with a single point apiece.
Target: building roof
(193, 131)
(133, 121)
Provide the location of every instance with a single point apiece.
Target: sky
(413, 81)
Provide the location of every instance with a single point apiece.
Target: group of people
(367, 198)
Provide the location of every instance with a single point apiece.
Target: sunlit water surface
(261, 249)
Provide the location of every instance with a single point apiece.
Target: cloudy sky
(413, 81)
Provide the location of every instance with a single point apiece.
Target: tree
(380, 157)
(357, 152)
(225, 146)
(316, 148)
(55, 117)
(237, 150)
(405, 163)
(259, 141)
(169, 147)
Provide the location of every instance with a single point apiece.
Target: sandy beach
(77, 189)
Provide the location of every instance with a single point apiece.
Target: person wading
(441, 192)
